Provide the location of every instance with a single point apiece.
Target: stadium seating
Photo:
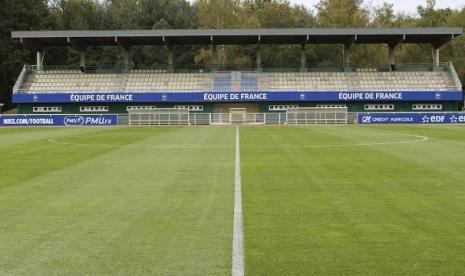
(153, 81)
(249, 84)
(222, 83)
(160, 81)
(60, 81)
(358, 81)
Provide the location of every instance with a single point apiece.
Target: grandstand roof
(125, 38)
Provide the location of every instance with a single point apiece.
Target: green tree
(341, 14)
(181, 14)
(431, 17)
(455, 51)
(384, 16)
(17, 15)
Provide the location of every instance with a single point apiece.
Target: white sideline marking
(420, 139)
(238, 232)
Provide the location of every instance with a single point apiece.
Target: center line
(238, 232)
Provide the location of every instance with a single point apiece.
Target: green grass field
(316, 200)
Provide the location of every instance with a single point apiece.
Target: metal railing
(277, 118)
(88, 69)
(270, 118)
(264, 81)
(454, 75)
(20, 79)
(193, 68)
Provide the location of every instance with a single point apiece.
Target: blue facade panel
(201, 97)
(58, 120)
(410, 118)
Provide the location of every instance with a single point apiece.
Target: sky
(407, 6)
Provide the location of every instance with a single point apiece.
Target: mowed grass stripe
(379, 210)
(32, 154)
(127, 210)
(14, 136)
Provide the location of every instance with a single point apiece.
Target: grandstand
(149, 80)
(392, 87)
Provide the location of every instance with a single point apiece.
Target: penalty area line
(238, 231)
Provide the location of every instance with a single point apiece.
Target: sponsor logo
(73, 121)
(456, 119)
(87, 121)
(366, 119)
(436, 119)
(415, 118)
(97, 121)
(25, 121)
(59, 120)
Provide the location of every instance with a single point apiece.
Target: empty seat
(160, 81)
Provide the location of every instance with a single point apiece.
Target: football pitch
(315, 200)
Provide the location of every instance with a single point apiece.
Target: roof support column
(392, 58)
(346, 51)
(170, 57)
(127, 58)
(39, 59)
(81, 47)
(346, 57)
(435, 51)
(259, 58)
(214, 59)
(303, 57)
(82, 61)
(392, 46)
(215, 55)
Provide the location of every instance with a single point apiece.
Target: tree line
(182, 14)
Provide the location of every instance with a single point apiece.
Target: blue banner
(58, 120)
(411, 118)
(200, 97)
